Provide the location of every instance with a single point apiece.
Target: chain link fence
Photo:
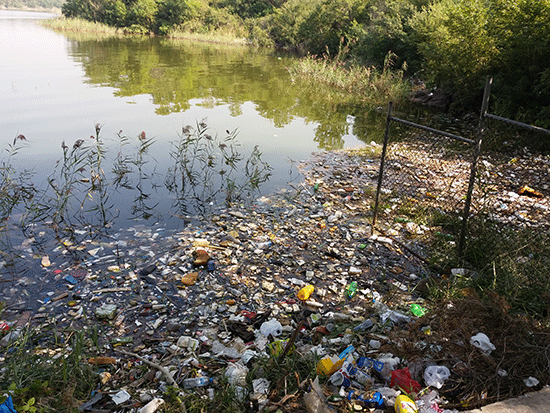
(443, 200)
(423, 186)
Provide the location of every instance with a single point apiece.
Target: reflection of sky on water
(52, 93)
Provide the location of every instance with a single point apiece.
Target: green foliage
(513, 262)
(460, 42)
(114, 13)
(172, 13)
(381, 27)
(285, 22)
(377, 87)
(84, 9)
(141, 14)
(329, 22)
(453, 39)
(246, 9)
(36, 378)
(522, 33)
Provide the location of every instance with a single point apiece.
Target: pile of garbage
(226, 305)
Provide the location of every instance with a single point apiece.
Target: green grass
(373, 86)
(223, 35)
(57, 380)
(80, 25)
(507, 264)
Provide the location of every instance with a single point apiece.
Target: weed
(286, 376)
(205, 169)
(81, 25)
(374, 86)
(512, 262)
(37, 378)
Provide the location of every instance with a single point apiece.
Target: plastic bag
(482, 342)
(403, 379)
(435, 376)
(7, 406)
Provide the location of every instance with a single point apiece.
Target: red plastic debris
(403, 379)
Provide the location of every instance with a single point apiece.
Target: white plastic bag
(435, 376)
(482, 342)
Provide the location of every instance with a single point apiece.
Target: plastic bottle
(418, 310)
(197, 382)
(305, 292)
(404, 404)
(351, 289)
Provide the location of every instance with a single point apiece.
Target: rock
(190, 278)
(201, 257)
(106, 312)
(435, 99)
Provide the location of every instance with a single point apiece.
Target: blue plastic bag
(7, 406)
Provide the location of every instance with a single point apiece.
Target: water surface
(55, 88)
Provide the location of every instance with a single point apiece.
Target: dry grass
(522, 349)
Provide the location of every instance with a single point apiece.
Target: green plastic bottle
(418, 310)
(351, 289)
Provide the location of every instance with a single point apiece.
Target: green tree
(114, 13)
(84, 9)
(453, 40)
(285, 22)
(329, 26)
(142, 14)
(382, 27)
(521, 30)
(172, 13)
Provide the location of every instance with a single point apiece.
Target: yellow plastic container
(404, 404)
(328, 365)
(305, 292)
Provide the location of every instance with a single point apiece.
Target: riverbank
(80, 25)
(133, 318)
(53, 10)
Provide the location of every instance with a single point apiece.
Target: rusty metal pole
(381, 172)
(473, 170)
(485, 103)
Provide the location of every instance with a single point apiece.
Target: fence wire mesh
(513, 190)
(424, 187)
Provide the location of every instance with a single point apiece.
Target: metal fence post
(381, 172)
(485, 104)
(473, 170)
(468, 202)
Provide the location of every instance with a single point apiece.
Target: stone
(106, 312)
(190, 278)
(201, 257)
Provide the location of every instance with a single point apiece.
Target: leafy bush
(383, 27)
(455, 44)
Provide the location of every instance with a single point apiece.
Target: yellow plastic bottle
(305, 292)
(404, 404)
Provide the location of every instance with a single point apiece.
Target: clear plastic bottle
(196, 382)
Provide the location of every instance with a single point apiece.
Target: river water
(55, 88)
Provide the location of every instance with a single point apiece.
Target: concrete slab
(535, 402)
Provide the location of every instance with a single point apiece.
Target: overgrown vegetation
(511, 263)
(376, 87)
(40, 378)
(445, 43)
